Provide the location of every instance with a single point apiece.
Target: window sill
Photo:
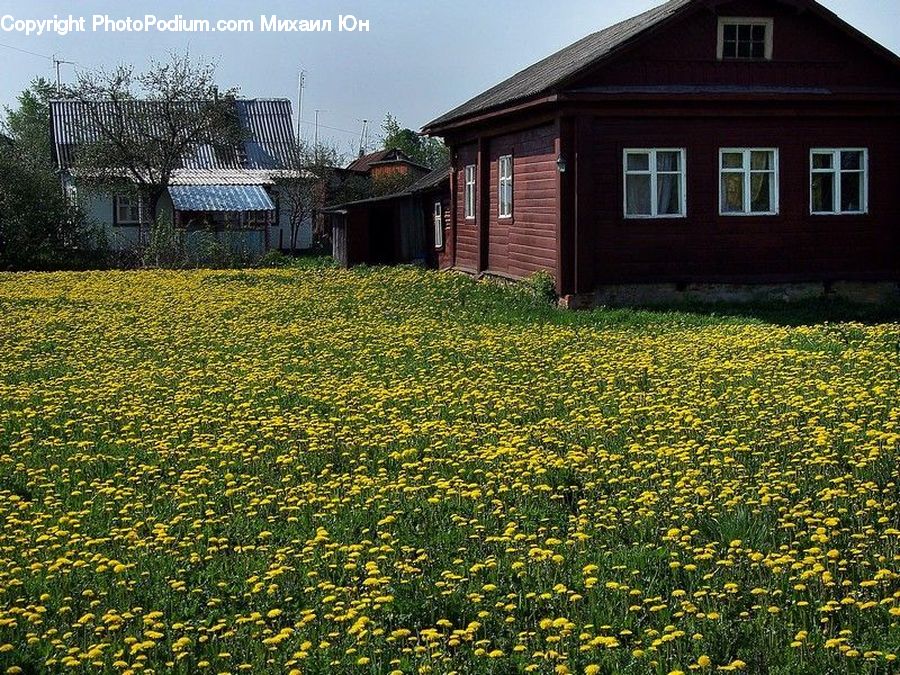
(827, 214)
(769, 214)
(678, 217)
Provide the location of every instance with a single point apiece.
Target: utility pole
(364, 138)
(302, 84)
(59, 62)
(317, 132)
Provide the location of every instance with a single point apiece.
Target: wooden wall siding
(527, 242)
(467, 233)
(793, 246)
(808, 52)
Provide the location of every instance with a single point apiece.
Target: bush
(543, 286)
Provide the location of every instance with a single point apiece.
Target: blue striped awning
(220, 198)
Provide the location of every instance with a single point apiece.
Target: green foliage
(39, 229)
(543, 286)
(428, 151)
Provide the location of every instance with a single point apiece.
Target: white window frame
(471, 173)
(130, 205)
(748, 175)
(769, 24)
(505, 169)
(438, 225)
(838, 180)
(654, 173)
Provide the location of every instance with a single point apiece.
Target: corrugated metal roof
(222, 177)
(557, 68)
(220, 198)
(266, 122)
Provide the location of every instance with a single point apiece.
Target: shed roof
(266, 122)
(430, 181)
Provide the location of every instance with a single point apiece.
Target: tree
(137, 128)
(307, 185)
(39, 228)
(428, 151)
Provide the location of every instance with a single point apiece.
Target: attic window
(745, 39)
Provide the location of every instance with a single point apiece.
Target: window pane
(637, 192)
(731, 32)
(761, 193)
(733, 193)
(668, 197)
(759, 50)
(744, 50)
(759, 34)
(823, 160)
(729, 51)
(745, 32)
(668, 161)
(823, 192)
(761, 161)
(851, 192)
(638, 161)
(732, 160)
(851, 160)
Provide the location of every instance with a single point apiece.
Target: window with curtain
(839, 181)
(505, 181)
(655, 183)
(748, 181)
(438, 226)
(470, 192)
(128, 210)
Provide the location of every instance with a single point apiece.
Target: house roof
(557, 70)
(365, 163)
(562, 65)
(266, 123)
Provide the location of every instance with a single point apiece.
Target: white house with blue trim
(234, 196)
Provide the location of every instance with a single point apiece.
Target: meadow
(397, 471)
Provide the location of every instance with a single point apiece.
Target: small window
(839, 181)
(470, 192)
(742, 38)
(506, 186)
(129, 210)
(748, 182)
(438, 226)
(655, 184)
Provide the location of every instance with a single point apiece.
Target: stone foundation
(674, 294)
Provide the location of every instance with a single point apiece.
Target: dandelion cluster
(396, 471)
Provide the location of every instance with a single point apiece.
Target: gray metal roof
(544, 75)
(266, 123)
(431, 180)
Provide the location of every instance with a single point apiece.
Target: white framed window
(505, 182)
(129, 210)
(655, 183)
(438, 226)
(839, 181)
(471, 170)
(748, 181)
(746, 38)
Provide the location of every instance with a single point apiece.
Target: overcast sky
(420, 58)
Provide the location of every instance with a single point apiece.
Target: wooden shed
(704, 142)
(404, 227)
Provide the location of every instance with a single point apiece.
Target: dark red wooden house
(721, 144)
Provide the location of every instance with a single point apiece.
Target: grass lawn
(319, 471)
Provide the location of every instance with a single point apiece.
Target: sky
(419, 59)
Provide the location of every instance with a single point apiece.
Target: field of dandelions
(397, 471)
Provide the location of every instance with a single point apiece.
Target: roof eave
(436, 128)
